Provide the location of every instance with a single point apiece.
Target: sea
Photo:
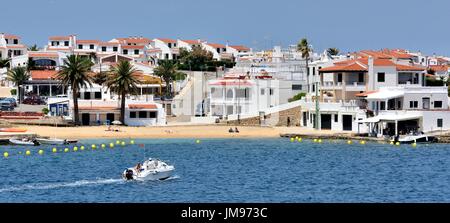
(273, 170)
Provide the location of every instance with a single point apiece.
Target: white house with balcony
(188, 44)
(219, 51)
(11, 46)
(167, 48)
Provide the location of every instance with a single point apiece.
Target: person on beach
(236, 130)
(230, 130)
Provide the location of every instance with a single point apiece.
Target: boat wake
(46, 186)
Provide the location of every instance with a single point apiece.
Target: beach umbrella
(116, 122)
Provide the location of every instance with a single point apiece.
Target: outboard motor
(129, 174)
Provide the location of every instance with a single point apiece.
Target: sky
(349, 25)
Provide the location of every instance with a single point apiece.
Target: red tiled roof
(135, 40)
(42, 54)
(361, 64)
(216, 45)
(88, 41)
(364, 94)
(132, 47)
(353, 66)
(401, 67)
(439, 67)
(43, 74)
(59, 38)
(142, 106)
(18, 46)
(11, 36)
(166, 40)
(240, 48)
(192, 42)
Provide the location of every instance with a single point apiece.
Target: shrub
(45, 111)
(13, 91)
(297, 97)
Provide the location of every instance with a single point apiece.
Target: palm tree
(333, 51)
(75, 73)
(4, 63)
(101, 77)
(123, 81)
(33, 48)
(304, 48)
(167, 71)
(18, 75)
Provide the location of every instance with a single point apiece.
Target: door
(325, 121)
(426, 103)
(347, 122)
(85, 119)
(305, 118)
(109, 117)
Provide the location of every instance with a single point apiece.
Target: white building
(219, 51)
(167, 48)
(11, 46)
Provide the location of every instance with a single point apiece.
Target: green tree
(123, 81)
(333, 51)
(31, 65)
(75, 73)
(101, 77)
(4, 63)
(18, 75)
(304, 48)
(167, 71)
(297, 97)
(33, 48)
(196, 59)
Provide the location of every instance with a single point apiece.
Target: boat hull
(22, 143)
(51, 141)
(150, 175)
(418, 139)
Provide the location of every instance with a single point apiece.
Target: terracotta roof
(364, 94)
(42, 54)
(142, 106)
(216, 45)
(439, 67)
(353, 66)
(43, 74)
(135, 40)
(132, 47)
(192, 42)
(88, 41)
(442, 60)
(240, 48)
(16, 46)
(166, 40)
(401, 67)
(11, 36)
(59, 38)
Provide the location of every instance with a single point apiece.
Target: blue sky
(346, 24)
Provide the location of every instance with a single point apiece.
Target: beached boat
(24, 142)
(151, 169)
(72, 141)
(421, 138)
(12, 130)
(53, 141)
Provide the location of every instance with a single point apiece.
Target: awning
(369, 120)
(390, 118)
(384, 95)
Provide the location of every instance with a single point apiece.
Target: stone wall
(274, 119)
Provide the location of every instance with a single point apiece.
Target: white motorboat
(421, 138)
(53, 141)
(24, 142)
(151, 169)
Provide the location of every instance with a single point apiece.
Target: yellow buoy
(103, 146)
(54, 150)
(118, 142)
(111, 145)
(349, 142)
(66, 150)
(397, 143)
(197, 141)
(132, 142)
(299, 139)
(75, 149)
(93, 146)
(292, 139)
(392, 143)
(5, 154)
(28, 153)
(41, 152)
(362, 142)
(319, 140)
(414, 144)
(296, 137)
(82, 147)
(314, 140)
(123, 143)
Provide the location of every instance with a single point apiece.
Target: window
(339, 78)
(53, 43)
(98, 95)
(87, 95)
(437, 104)
(80, 47)
(360, 77)
(413, 104)
(439, 122)
(381, 77)
(382, 105)
(170, 45)
(7, 42)
(132, 114)
(142, 114)
(91, 46)
(262, 92)
(314, 88)
(270, 91)
(136, 52)
(115, 48)
(103, 48)
(16, 41)
(296, 87)
(66, 43)
(314, 71)
(125, 52)
(152, 114)
(218, 50)
(167, 56)
(335, 118)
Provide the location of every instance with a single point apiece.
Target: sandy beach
(203, 131)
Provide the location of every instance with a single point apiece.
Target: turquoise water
(231, 170)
